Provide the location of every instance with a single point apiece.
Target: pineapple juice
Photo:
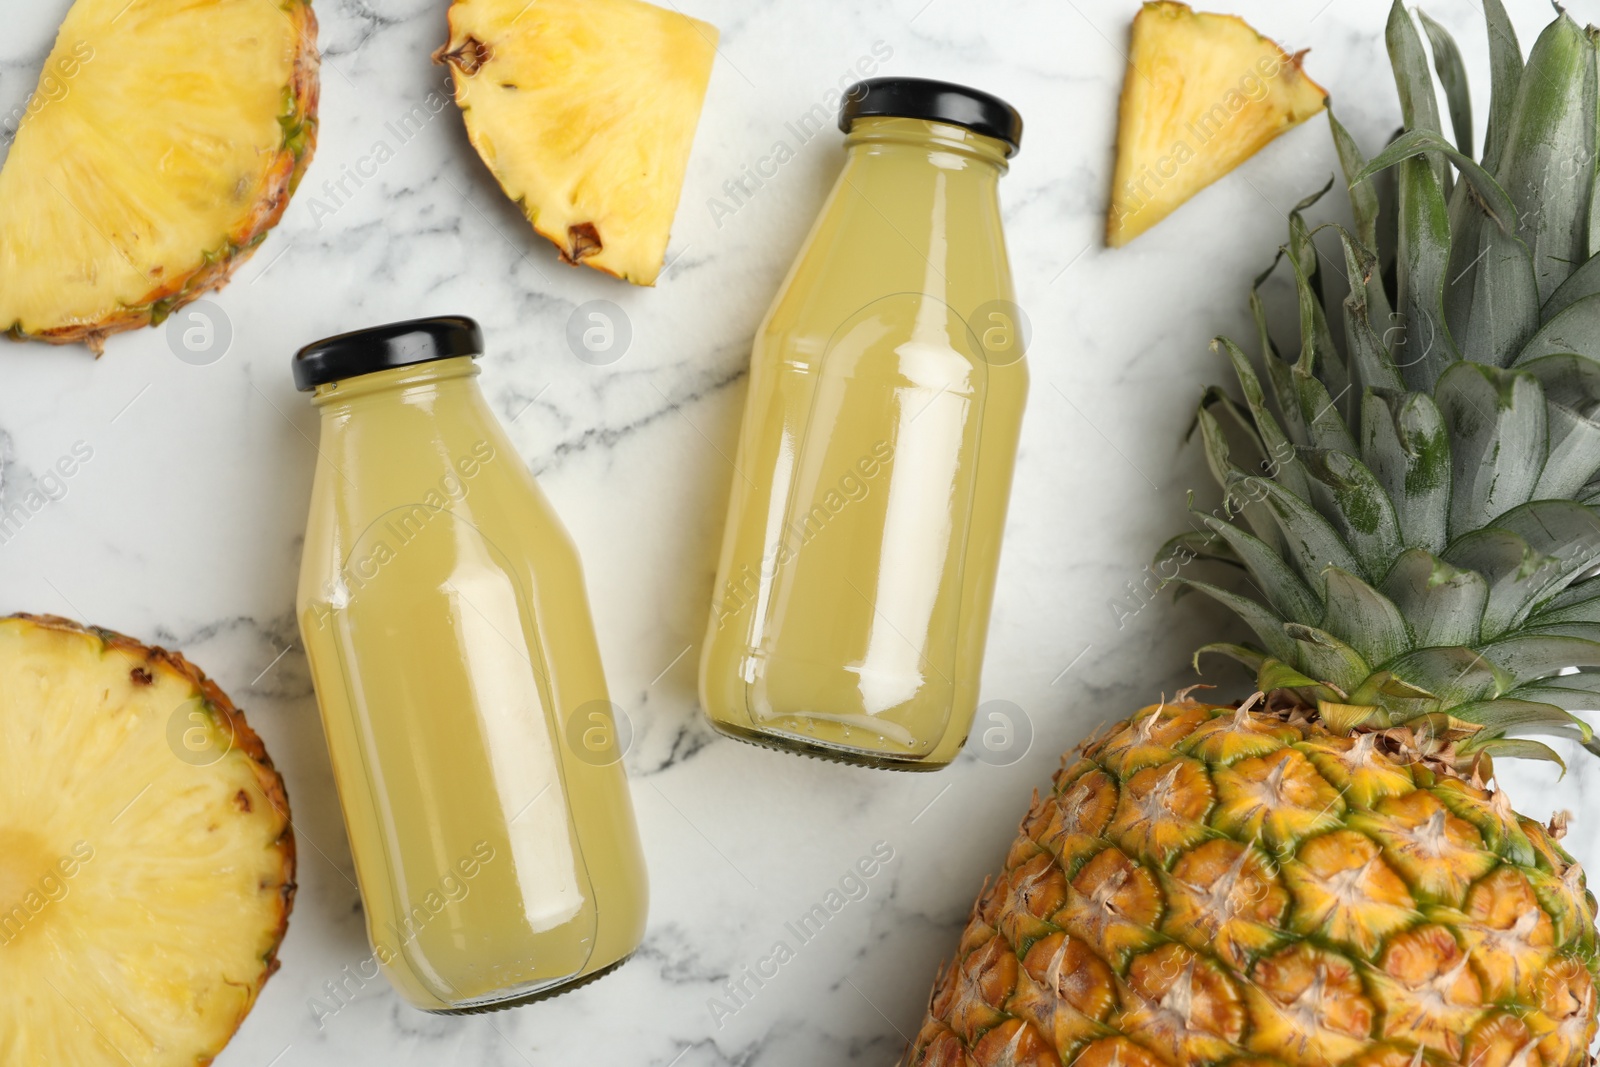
(886, 393)
(444, 613)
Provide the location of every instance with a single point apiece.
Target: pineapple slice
(146, 856)
(584, 111)
(1202, 94)
(161, 146)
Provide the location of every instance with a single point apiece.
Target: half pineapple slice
(162, 145)
(584, 111)
(146, 856)
(1203, 93)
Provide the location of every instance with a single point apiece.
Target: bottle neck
(437, 377)
(941, 145)
(916, 209)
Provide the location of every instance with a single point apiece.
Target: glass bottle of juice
(874, 464)
(443, 610)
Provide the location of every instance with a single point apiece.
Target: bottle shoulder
(462, 485)
(842, 272)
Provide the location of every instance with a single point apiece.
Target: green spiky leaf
(1326, 658)
(1505, 714)
(1496, 422)
(1405, 445)
(1529, 658)
(1443, 604)
(1576, 328)
(1311, 542)
(1371, 366)
(1418, 105)
(1548, 158)
(1369, 621)
(1454, 675)
(1423, 265)
(1272, 577)
(1585, 281)
(1358, 507)
(1364, 206)
(1252, 658)
(1529, 554)
(1516, 748)
(1571, 387)
(1505, 72)
(1284, 465)
(1561, 692)
(1453, 77)
(1267, 627)
(1491, 198)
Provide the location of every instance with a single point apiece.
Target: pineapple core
(1202, 94)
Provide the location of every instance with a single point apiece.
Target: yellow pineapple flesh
(146, 855)
(162, 145)
(585, 112)
(1208, 885)
(1202, 94)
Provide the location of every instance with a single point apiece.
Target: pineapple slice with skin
(146, 855)
(585, 112)
(1202, 94)
(164, 143)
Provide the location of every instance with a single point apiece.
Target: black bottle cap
(398, 344)
(935, 101)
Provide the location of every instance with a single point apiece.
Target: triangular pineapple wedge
(584, 111)
(1202, 94)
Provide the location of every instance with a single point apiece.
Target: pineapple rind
(213, 265)
(1326, 953)
(155, 950)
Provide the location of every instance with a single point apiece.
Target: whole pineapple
(1320, 875)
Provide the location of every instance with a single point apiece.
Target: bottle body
(874, 466)
(443, 610)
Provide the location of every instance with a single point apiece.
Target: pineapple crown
(1419, 516)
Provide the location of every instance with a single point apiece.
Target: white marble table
(185, 527)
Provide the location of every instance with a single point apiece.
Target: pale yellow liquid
(451, 645)
(874, 465)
